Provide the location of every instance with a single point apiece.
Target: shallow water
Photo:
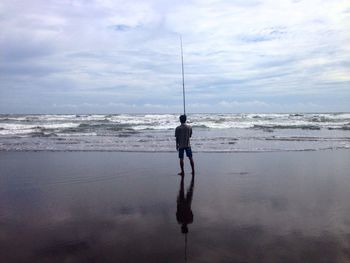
(132, 207)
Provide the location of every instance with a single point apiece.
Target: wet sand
(133, 207)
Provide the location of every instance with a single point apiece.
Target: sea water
(155, 132)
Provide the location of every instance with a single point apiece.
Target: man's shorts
(188, 152)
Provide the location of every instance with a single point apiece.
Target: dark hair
(183, 118)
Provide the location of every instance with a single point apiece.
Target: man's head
(183, 118)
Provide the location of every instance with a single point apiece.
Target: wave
(146, 132)
(303, 127)
(324, 119)
(200, 126)
(42, 134)
(345, 128)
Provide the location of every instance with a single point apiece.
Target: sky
(114, 56)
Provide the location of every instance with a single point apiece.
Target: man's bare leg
(182, 167)
(192, 164)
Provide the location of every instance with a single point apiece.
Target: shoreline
(345, 148)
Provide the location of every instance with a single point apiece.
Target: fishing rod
(183, 77)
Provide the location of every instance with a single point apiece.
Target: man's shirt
(183, 134)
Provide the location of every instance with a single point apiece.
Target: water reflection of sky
(123, 207)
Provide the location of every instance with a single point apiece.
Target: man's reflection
(184, 213)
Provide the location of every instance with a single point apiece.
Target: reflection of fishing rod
(183, 78)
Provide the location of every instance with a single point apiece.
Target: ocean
(155, 132)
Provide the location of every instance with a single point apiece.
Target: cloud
(264, 35)
(121, 27)
(129, 51)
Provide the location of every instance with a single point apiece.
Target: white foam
(13, 129)
(59, 125)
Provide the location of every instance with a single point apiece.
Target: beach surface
(133, 207)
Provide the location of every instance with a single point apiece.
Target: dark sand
(124, 207)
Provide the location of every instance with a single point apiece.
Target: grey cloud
(121, 27)
(27, 69)
(23, 48)
(130, 51)
(264, 35)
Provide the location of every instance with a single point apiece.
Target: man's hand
(177, 147)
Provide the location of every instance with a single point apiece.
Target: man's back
(183, 134)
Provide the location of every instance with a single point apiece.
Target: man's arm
(177, 139)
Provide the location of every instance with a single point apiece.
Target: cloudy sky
(112, 56)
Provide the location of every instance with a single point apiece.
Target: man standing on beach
(183, 134)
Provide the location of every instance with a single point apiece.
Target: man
(183, 134)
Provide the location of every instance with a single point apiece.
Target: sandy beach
(133, 207)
